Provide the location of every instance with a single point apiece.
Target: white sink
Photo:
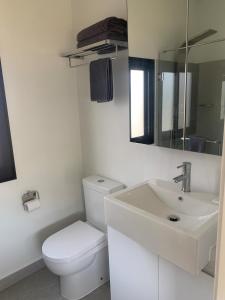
(180, 227)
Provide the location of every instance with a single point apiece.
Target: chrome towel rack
(105, 47)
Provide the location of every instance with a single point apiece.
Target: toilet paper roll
(32, 205)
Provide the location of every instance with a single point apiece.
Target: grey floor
(43, 285)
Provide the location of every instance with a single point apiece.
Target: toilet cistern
(185, 177)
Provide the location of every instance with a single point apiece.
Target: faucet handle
(181, 166)
(184, 165)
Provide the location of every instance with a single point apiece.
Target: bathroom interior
(112, 125)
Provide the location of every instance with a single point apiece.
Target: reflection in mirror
(168, 96)
(206, 21)
(207, 65)
(190, 109)
(171, 92)
(206, 32)
(204, 102)
(168, 90)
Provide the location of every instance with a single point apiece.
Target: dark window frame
(7, 163)
(148, 66)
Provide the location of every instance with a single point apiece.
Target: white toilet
(79, 253)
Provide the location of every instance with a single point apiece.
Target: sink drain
(173, 218)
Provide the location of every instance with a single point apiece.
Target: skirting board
(21, 274)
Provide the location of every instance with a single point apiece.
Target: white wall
(43, 113)
(105, 127)
(86, 12)
(150, 24)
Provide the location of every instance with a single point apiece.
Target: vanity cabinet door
(133, 269)
(176, 284)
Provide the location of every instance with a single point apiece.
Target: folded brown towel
(111, 24)
(100, 37)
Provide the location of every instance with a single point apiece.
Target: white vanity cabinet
(136, 273)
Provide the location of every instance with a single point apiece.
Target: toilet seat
(73, 242)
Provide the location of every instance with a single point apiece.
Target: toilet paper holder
(30, 195)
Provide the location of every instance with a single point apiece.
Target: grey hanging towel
(101, 80)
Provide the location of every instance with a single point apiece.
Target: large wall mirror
(189, 46)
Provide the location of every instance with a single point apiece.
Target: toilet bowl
(79, 252)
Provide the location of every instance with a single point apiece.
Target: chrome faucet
(185, 177)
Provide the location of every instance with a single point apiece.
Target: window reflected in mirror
(168, 94)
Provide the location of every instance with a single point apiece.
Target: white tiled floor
(43, 285)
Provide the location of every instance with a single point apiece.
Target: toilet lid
(73, 241)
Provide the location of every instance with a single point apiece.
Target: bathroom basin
(180, 227)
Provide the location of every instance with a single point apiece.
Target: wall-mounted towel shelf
(109, 47)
